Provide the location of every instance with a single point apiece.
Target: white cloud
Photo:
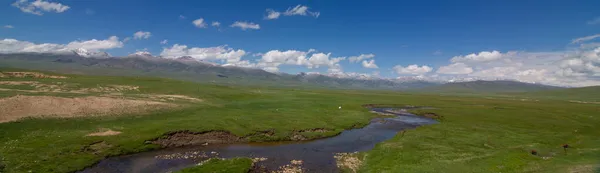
(564, 68)
(300, 10)
(480, 57)
(584, 39)
(141, 35)
(165, 41)
(181, 17)
(9, 26)
(126, 39)
(456, 68)
(271, 60)
(37, 7)
(216, 24)
(412, 69)
(360, 57)
(437, 52)
(594, 21)
(369, 64)
(199, 23)
(16, 46)
(583, 63)
(96, 45)
(272, 14)
(245, 25)
(219, 53)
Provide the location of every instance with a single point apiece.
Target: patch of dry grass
(17, 107)
(29, 75)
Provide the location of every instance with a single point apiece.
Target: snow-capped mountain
(90, 54)
(143, 55)
(191, 60)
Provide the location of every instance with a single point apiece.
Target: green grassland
(477, 134)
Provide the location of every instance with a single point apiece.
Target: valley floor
(65, 123)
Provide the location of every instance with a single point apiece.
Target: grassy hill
(486, 87)
(591, 93)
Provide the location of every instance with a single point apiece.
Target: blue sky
(423, 33)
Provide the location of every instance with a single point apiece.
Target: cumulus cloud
(16, 46)
(199, 23)
(360, 57)
(582, 63)
(219, 53)
(215, 24)
(563, 68)
(478, 57)
(271, 60)
(369, 64)
(456, 68)
(272, 14)
(37, 7)
(412, 69)
(9, 26)
(298, 10)
(584, 39)
(141, 35)
(96, 45)
(245, 25)
(165, 41)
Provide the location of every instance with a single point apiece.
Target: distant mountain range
(187, 68)
(481, 86)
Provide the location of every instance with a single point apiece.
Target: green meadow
(479, 133)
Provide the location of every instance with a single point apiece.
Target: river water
(317, 155)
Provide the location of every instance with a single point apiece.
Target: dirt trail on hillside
(17, 107)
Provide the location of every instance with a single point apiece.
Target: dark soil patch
(259, 169)
(186, 138)
(298, 136)
(97, 147)
(319, 130)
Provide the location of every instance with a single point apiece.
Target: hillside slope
(481, 86)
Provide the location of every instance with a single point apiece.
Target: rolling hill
(481, 86)
(586, 94)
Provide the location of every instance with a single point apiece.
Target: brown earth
(17, 107)
(297, 136)
(186, 138)
(62, 87)
(108, 132)
(97, 147)
(29, 75)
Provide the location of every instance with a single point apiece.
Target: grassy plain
(477, 134)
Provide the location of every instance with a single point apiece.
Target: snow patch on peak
(90, 54)
(143, 53)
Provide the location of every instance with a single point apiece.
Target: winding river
(317, 155)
